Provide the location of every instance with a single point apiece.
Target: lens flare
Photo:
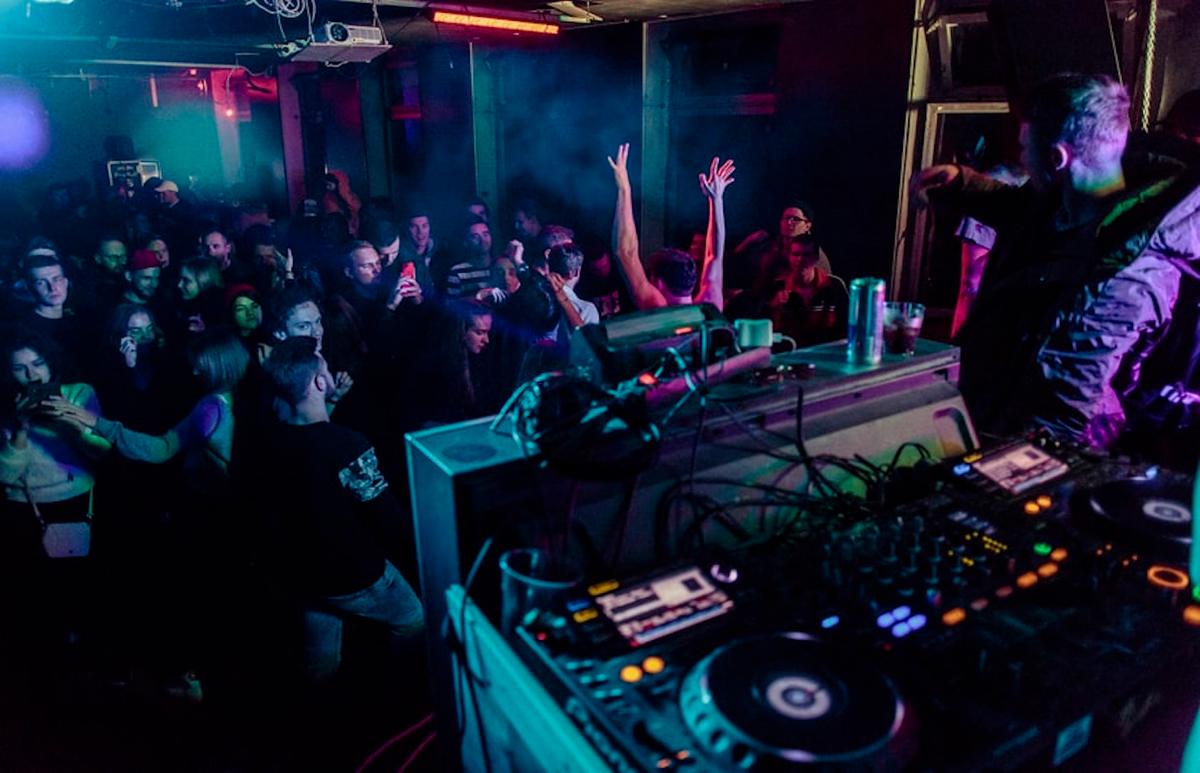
(24, 129)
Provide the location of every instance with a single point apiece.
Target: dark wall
(839, 79)
(562, 111)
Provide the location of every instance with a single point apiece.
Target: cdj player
(1034, 602)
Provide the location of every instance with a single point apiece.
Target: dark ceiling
(38, 35)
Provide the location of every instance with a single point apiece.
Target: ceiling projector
(335, 42)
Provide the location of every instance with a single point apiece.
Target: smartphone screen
(409, 270)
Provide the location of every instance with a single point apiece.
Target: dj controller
(1032, 602)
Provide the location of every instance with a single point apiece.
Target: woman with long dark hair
(48, 472)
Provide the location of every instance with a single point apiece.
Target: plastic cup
(531, 579)
(902, 326)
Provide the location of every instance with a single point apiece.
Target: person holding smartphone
(47, 469)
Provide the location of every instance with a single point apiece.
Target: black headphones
(584, 431)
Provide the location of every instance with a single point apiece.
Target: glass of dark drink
(902, 326)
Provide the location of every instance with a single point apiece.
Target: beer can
(864, 338)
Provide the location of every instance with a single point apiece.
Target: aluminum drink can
(864, 337)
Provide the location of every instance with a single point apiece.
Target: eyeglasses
(796, 219)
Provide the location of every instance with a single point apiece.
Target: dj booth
(823, 568)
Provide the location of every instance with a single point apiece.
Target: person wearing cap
(168, 194)
(245, 312)
(141, 277)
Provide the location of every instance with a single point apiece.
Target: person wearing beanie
(142, 274)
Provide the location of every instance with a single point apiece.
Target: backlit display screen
(663, 605)
(1020, 468)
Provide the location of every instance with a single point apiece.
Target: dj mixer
(1033, 600)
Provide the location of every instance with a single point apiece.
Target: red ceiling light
(494, 23)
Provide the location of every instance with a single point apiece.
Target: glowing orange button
(954, 616)
(1058, 554)
(631, 674)
(654, 665)
(1044, 501)
(1047, 570)
(1191, 615)
(972, 458)
(586, 614)
(1032, 508)
(1167, 577)
(1027, 580)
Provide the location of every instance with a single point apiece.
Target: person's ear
(1059, 156)
(129, 277)
(349, 272)
(321, 384)
(280, 335)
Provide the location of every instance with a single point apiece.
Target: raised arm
(712, 274)
(625, 238)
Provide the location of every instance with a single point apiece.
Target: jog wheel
(786, 700)
(1154, 513)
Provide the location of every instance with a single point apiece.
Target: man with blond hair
(1085, 270)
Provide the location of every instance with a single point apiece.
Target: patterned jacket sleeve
(1092, 357)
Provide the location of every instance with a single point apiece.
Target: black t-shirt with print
(336, 521)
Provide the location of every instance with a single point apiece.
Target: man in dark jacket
(1085, 269)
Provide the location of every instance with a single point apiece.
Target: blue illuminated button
(961, 469)
(900, 630)
(885, 620)
(830, 621)
(916, 622)
(901, 613)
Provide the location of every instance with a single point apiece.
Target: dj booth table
(1075, 630)
(469, 483)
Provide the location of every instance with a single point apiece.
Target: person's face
(304, 320)
(50, 286)
(29, 367)
(478, 210)
(794, 222)
(167, 197)
(389, 253)
(418, 231)
(802, 256)
(111, 256)
(247, 314)
(145, 282)
(140, 328)
(476, 336)
(189, 288)
(527, 227)
(479, 239)
(159, 248)
(601, 267)
(365, 266)
(265, 255)
(217, 246)
(512, 282)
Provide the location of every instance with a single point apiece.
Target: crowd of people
(220, 398)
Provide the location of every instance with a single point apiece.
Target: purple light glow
(24, 130)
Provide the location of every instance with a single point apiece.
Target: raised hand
(128, 348)
(620, 167)
(342, 382)
(930, 179)
(719, 177)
